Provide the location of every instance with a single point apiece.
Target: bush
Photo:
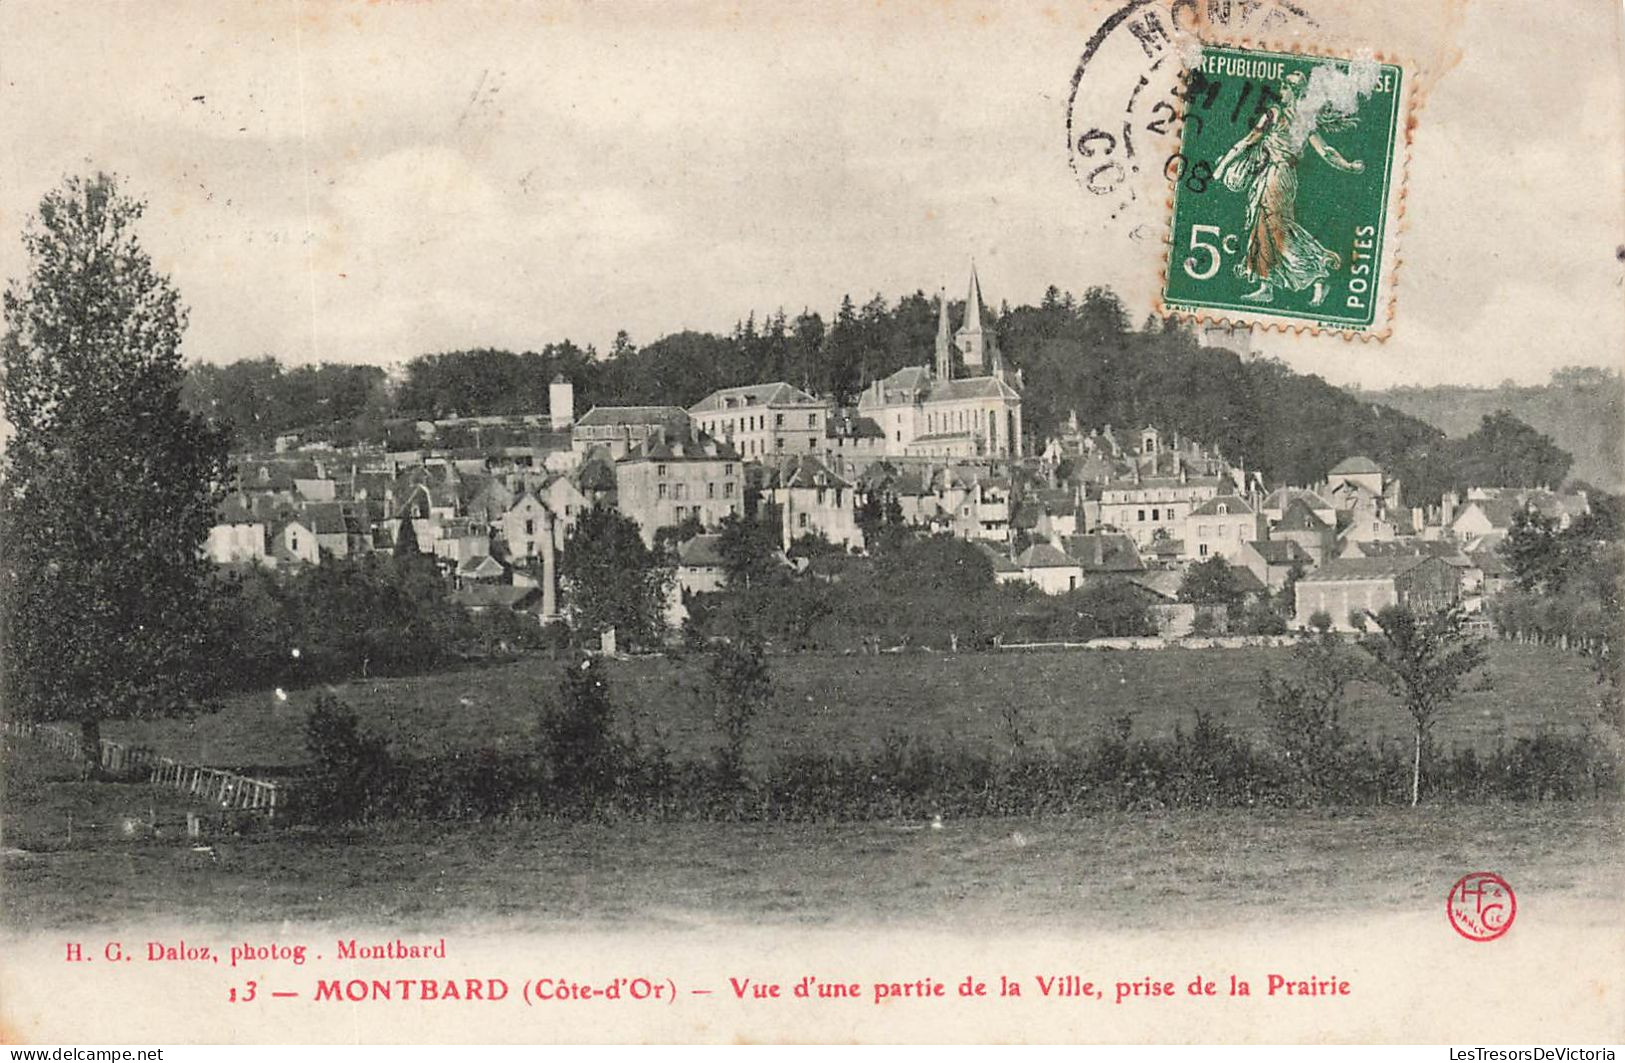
(585, 771)
(584, 762)
(352, 767)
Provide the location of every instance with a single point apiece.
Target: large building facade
(932, 413)
(761, 421)
(666, 480)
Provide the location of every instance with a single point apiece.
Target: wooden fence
(227, 789)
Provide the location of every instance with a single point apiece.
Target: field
(1106, 870)
(1109, 871)
(851, 703)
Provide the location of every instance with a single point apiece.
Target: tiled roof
(1043, 555)
(1279, 551)
(1362, 568)
(1058, 502)
(1282, 497)
(324, 518)
(1355, 466)
(632, 415)
(910, 376)
(752, 395)
(235, 510)
(1103, 552)
(971, 387)
(702, 551)
(917, 384)
(1498, 511)
(851, 426)
(1299, 517)
(1234, 506)
(805, 471)
(1164, 583)
(483, 566)
(1411, 548)
(682, 446)
(1001, 563)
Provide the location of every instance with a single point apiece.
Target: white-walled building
(931, 413)
(763, 420)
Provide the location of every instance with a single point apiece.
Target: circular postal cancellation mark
(1123, 110)
(1269, 177)
(1481, 906)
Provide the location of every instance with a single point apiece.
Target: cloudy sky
(368, 182)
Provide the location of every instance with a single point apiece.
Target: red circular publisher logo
(1481, 906)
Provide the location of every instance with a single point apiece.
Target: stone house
(1344, 588)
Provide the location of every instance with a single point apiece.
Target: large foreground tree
(1423, 659)
(109, 487)
(611, 579)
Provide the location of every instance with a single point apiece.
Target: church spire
(972, 341)
(945, 360)
(973, 303)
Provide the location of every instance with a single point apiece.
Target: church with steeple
(934, 412)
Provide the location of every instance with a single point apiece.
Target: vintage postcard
(1089, 522)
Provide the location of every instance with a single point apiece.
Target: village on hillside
(942, 450)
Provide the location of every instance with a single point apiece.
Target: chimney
(550, 601)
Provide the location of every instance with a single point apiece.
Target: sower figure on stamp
(1280, 252)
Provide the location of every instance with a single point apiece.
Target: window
(660, 470)
(710, 489)
(677, 490)
(1141, 514)
(778, 420)
(778, 444)
(728, 470)
(1202, 549)
(1224, 508)
(801, 520)
(530, 527)
(1155, 515)
(812, 420)
(728, 489)
(660, 491)
(293, 541)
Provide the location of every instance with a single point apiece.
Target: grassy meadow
(1113, 870)
(834, 703)
(77, 853)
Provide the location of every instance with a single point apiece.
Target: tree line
(1077, 354)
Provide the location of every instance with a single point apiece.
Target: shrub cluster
(582, 769)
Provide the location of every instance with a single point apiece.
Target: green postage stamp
(1286, 191)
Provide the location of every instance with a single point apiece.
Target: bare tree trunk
(1416, 770)
(90, 746)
